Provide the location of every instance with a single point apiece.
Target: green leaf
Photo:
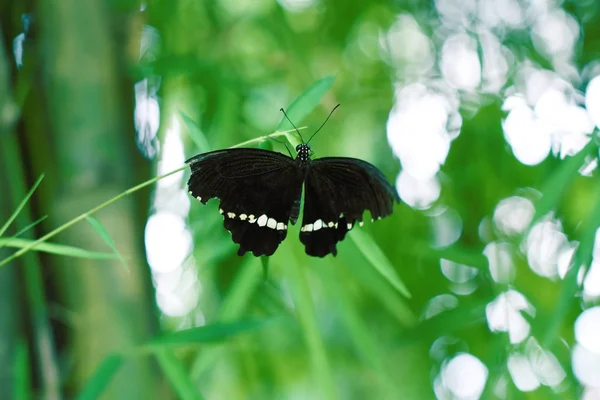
(554, 187)
(208, 333)
(582, 258)
(196, 134)
(21, 205)
(101, 377)
(306, 313)
(367, 246)
(176, 373)
(57, 249)
(458, 255)
(264, 260)
(306, 103)
(31, 225)
(104, 235)
(21, 368)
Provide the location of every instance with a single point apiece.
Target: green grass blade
(389, 297)
(371, 251)
(457, 254)
(31, 225)
(307, 316)
(56, 249)
(264, 260)
(176, 373)
(104, 235)
(553, 189)
(264, 138)
(21, 205)
(21, 368)
(101, 377)
(81, 217)
(306, 102)
(582, 257)
(358, 330)
(196, 134)
(207, 334)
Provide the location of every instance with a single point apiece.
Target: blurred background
(484, 283)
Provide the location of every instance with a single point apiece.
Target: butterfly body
(260, 193)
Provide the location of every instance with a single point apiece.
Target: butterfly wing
(337, 192)
(258, 192)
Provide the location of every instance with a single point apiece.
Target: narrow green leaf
(261, 139)
(196, 134)
(57, 249)
(582, 258)
(264, 260)
(104, 235)
(554, 187)
(307, 316)
(101, 377)
(458, 255)
(208, 333)
(21, 205)
(31, 225)
(367, 246)
(21, 368)
(306, 102)
(177, 374)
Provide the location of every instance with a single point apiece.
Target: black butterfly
(260, 190)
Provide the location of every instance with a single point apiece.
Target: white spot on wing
(231, 215)
(349, 226)
(199, 198)
(262, 220)
(281, 226)
(271, 223)
(243, 217)
(360, 223)
(307, 228)
(317, 225)
(331, 224)
(221, 211)
(251, 218)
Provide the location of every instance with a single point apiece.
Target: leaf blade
(21, 205)
(56, 249)
(306, 102)
(373, 253)
(105, 236)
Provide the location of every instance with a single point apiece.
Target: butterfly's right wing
(258, 192)
(337, 191)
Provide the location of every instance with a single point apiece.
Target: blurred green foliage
(73, 323)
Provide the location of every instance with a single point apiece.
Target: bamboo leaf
(196, 134)
(21, 205)
(101, 377)
(104, 235)
(176, 373)
(367, 246)
(306, 102)
(207, 334)
(554, 187)
(30, 226)
(57, 249)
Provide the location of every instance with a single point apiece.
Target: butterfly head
(304, 152)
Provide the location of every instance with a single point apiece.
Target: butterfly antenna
(288, 118)
(322, 125)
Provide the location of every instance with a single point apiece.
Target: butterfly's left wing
(337, 191)
(259, 191)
